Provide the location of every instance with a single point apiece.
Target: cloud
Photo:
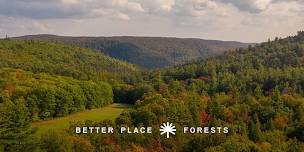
(38, 9)
(128, 6)
(214, 19)
(50, 9)
(24, 26)
(38, 25)
(203, 8)
(121, 16)
(258, 6)
(253, 6)
(162, 5)
(70, 2)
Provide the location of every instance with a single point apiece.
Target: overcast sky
(240, 20)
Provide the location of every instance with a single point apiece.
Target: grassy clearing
(109, 112)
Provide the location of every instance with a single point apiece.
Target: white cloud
(70, 2)
(129, 6)
(261, 4)
(40, 26)
(122, 16)
(157, 6)
(253, 6)
(166, 5)
(214, 19)
(51, 9)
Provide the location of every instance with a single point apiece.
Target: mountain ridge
(127, 36)
(147, 52)
(61, 59)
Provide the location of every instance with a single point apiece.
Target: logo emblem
(167, 128)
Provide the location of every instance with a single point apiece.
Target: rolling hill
(255, 93)
(148, 52)
(61, 59)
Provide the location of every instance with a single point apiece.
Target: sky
(232, 20)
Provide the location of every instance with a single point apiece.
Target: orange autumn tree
(280, 122)
(10, 88)
(205, 117)
(229, 116)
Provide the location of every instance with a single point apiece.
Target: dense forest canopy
(148, 52)
(270, 64)
(60, 59)
(256, 92)
(48, 96)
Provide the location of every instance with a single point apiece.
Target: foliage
(15, 125)
(147, 52)
(46, 96)
(60, 59)
(256, 92)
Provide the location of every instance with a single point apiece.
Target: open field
(109, 112)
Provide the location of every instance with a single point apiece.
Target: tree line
(257, 92)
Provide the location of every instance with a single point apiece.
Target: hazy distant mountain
(148, 52)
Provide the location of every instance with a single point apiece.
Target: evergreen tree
(243, 129)
(270, 125)
(254, 128)
(15, 126)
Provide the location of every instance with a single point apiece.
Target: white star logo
(168, 129)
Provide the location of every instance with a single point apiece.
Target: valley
(148, 52)
(256, 93)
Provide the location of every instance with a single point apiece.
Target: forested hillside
(44, 80)
(47, 96)
(148, 52)
(60, 59)
(258, 93)
(26, 97)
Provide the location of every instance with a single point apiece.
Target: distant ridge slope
(148, 52)
(61, 59)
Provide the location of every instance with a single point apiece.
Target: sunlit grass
(110, 112)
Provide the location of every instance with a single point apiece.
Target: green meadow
(110, 112)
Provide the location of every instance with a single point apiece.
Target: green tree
(15, 126)
(254, 128)
(53, 141)
(270, 125)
